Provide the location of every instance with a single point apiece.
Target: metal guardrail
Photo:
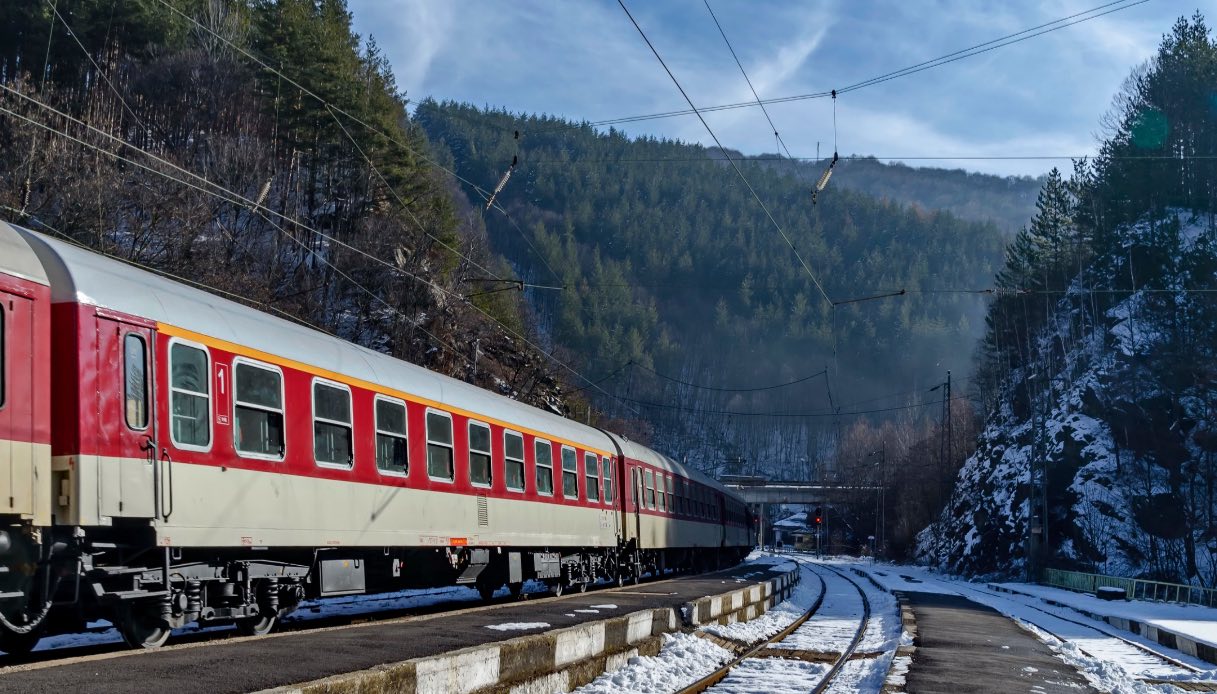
(1134, 588)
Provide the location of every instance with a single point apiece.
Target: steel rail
(1139, 646)
(721, 673)
(853, 644)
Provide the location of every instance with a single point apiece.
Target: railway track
(302, 621)
(1153, 653)
(771, 647)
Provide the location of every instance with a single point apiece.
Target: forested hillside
(262, 150)
(1007, 201)
(1099, 363)
(663, 274)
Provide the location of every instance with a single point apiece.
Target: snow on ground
(779, 617)
(861, 675)
(1104, 675)
(1090, 645)
(686, 658)
(834, 625)
(772, 675)
(1194, 621)
(683, 660)
(518, 626)
(102, 632)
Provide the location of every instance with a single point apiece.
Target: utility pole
(947, 395)
(882, 492)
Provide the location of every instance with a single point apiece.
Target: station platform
(963, 646)
(292, 658)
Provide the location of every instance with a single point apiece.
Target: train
(168, 456)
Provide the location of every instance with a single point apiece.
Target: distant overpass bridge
(759, 493)
(796, 492)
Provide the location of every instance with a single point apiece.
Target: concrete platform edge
(908, 624)
(558, 660)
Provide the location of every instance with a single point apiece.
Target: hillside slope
(1100, 353)
(658, 259)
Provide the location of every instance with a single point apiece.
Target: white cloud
(584, 60)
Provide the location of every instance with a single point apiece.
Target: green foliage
(673, 264)
(353, 230)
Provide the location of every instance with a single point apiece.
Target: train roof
(642, 453)
(79, 275)
(17, 258)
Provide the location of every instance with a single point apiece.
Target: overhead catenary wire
(740, 65)
(169, 275)
(27, 183)
(371, 128)
(722, 149)
(784, 414)
(100, 73)
(731, 390)
(977, 49)
(234, 198)
(414, 323)
(405, 208)
(868, 157)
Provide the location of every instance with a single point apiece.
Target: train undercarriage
(58, 582)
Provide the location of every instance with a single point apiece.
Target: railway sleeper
(811, 656)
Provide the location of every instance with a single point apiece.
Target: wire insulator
(823, 180)
(502, 181)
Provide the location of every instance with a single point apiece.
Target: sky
(584, 60)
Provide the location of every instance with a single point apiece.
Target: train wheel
(558, 588)
(18, 644)
(584, 586)
(487, 591)
(143, 628)
(257, 626)
(517, 590)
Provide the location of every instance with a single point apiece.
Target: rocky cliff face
(1118, 409)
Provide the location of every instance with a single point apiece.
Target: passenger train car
(168, 456)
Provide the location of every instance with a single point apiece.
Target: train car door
(16, 404)
(636, 492)
(125, 431)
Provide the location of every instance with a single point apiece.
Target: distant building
(794, 530)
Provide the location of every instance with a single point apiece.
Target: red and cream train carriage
(209, 462)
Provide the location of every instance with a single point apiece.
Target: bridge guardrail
(1134, 588)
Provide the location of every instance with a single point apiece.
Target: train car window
(257, 410)
(544, 455)
(513, 457)
(479, 454)
(610, 471)
(135, 381)
(189, 396)
(392, 443)
(570, 473)
(650, 489)
(591, 468)
(332, 427)
(671, 499)
(439, 446)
